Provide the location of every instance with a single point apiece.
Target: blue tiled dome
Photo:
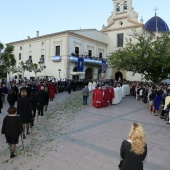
(161, 25)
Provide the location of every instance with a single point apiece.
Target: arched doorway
(89, 74)
(118, 76)
(99, 73)
(75, 77)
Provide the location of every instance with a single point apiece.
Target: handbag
(120, 164)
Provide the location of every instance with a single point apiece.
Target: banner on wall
(103, 66)
(80, 65)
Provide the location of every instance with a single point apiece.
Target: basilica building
(60, 51)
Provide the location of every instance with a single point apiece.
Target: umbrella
(167, 81)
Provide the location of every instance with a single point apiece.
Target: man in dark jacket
(41, 99)
(85, 93)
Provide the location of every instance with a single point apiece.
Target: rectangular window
(76, 51)
(19, 56)
(100, 55)
(119, 40)
(57, 51)
(42, 59)
(20, 47)
(30, 59)
(89, 53)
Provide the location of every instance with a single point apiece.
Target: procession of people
(32, 98)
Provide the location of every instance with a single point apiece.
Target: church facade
(60, 51)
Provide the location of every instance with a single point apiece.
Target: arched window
(125, 6)
(118, 7)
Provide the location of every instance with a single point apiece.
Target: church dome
(161, 24)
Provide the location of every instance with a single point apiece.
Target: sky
(22, 18)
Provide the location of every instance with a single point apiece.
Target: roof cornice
(63, 33)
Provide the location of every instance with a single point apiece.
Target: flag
(103, 66)
(80, 66)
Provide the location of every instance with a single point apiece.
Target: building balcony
(91, 60)
(56, 58)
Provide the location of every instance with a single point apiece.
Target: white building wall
(92, 34)
(35, 47)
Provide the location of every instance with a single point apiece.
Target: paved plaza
(71, 136)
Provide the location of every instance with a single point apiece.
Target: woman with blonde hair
(134, 150)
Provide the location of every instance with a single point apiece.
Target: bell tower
(123, 8)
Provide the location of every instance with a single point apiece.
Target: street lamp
(59, 72)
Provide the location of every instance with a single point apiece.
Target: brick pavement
(89, 141)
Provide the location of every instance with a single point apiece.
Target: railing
(91, 60)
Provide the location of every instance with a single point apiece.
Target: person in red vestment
(112, 94)
(106, 96)
(98, 98)
(93, 97)
(39, 85)
(52, 91)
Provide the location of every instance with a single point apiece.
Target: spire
(156, 19)
(141, 20)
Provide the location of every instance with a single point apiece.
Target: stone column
(95, 73)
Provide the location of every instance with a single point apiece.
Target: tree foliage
(1, 46)
(149, 56)
(34, 67)
(7, 59)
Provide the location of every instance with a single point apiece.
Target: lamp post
(59, 72)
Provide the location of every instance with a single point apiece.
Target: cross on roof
(156, 9)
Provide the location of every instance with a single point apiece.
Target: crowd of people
(102, 96)
(156, 96)
(32, 97)
(27, 98)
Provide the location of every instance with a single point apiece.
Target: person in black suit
(1, 103)
(33, 103)
(134, 150)
(42, 98)
(25, 111)
(12, 128)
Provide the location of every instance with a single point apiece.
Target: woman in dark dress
(12, 128)
(134, 150)
(157, 101)
(11, 98)
(1, 103)
(33, 103)
(24, 110)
